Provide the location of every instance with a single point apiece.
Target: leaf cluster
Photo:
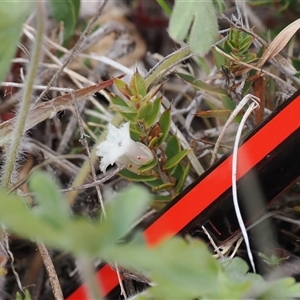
(142, 108)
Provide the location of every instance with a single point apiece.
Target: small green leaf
(138, 85)
(117, 100)
(153, 142)
(26, 296)
(164, 124)
(219, 59)
(182, 179)
(148, 167)
(165, 7)
(175, 160)
(135, 177)
(144, 110)
(201, 85)
(66, 11)
(150, 119)
(122, 105)
(154, 183)
(173, 146)
(123, 109)
(164, 186)
(201, 17)
(136, 128)
(12, 16)
(246, 43)
(123, 87)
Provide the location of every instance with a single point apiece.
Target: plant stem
(12, 153)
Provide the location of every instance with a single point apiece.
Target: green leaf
(122, 106)
(153, 142)
(154, 183)
(164, 186)
(147, 167)
(121, 212)
(138, 85)
(123, 109)
(153, 114)
(51, 205)
(182, 179)
(165, 7)
(26, 296)
(164, 124)
(173, 146)
(201, 85)
(182, 270)
(175, 160)
(12, 16)
(201, 17)
(19, 219)
(73, 237)
(144, 110)
(123, 87)
(136, 177)
(67, 12)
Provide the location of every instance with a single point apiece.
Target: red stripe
(211, 187)
(218, 181)
(107, 279)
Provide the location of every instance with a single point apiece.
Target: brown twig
(56, 288)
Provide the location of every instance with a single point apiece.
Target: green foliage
(165, 7)
(175, 160)
(50, 220)
(201, 17)
(237, 45)
(65, 11)
(153, 114)
(142, 108)
(26, 296)
(200, 85)
(12, 16)
(136, 177)
(164, 125)
(272, 260)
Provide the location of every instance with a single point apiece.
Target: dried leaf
(214, 113)
(50, 108)
(279, 42)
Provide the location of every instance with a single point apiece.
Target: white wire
(252, 106)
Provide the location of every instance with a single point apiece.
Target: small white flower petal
(119, 147)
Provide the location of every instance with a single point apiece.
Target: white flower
(120, 148)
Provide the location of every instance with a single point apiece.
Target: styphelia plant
(144, 143)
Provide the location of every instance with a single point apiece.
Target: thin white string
(234, 113)
(252, 107)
